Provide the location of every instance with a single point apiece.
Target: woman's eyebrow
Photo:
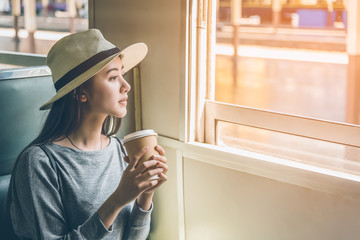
(114, 69)
(111, 69)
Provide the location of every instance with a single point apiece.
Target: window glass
(49, 20)
(309, 2)
(305, 150)
(289, 59)
(301, 82)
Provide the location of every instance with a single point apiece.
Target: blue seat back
(22, 92)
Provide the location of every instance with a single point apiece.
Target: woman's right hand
(136, 179)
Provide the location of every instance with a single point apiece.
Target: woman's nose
(125, 86)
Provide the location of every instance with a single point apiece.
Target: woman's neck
(88, 136)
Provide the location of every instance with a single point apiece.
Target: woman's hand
(136, 178)
(135, 183)
(161, 164)
(145, 199)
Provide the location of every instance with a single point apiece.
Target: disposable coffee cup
(135, 141)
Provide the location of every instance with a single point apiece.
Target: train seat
(22, 91)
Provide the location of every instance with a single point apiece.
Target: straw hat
(76, 58)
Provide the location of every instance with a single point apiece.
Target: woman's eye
(113, 78)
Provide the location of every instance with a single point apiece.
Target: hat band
(84, 66)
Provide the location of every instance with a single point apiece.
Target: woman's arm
(133, 183)
(139, 226)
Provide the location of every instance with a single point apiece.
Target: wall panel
(221, 203)
(160, 24)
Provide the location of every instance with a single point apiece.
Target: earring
(83, 98)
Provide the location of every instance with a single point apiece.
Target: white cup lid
(139, 134)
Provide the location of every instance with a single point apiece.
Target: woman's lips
(123, 101)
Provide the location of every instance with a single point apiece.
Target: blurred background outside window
(33, 26)
(290, 57)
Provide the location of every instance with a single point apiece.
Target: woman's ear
(83, 97)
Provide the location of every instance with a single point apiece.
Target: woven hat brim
(131, 56)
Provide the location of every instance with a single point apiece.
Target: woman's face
(108, 91)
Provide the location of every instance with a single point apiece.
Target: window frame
(328, 131)
(204, 112)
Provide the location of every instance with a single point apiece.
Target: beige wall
(160, 24)
(203, 200)
(233, 205)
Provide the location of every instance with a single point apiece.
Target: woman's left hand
(148, 194)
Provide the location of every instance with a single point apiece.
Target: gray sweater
(85, 180)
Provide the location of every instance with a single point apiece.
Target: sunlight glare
(305, 55)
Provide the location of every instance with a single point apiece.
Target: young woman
(74, 181)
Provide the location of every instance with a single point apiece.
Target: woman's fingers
(161, 162)
(145, 165)
(159, 158)
(146, 186)
(160, 150)
(156, 183)
(163, 166)
(150, 173)
(137, 156)
(151, 164)
(163, 177)
(136, 178)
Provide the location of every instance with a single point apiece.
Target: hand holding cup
(135, 142)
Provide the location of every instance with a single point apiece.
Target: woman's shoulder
(32, 156)
(115, 138)
(33, 151)
(120, 150)
(33, 167)
(119, 143)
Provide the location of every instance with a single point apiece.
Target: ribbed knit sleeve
(139, 226)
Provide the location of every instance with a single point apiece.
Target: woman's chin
(120, 114)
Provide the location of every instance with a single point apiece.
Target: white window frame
(205, 113)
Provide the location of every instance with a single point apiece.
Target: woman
(72, 182)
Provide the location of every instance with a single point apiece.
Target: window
(34, 26)
(290, 102)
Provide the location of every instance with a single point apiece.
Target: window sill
(275, 168)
